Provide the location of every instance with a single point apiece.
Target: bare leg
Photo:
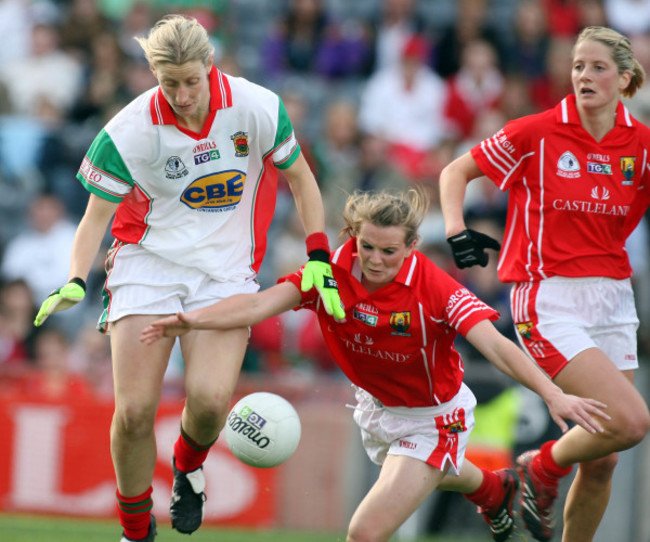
(213, 361)
(138, 372)
(592, 374)
(402, 486)
(588, 498)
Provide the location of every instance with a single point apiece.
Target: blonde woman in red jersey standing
(578, 178)
(397, 347)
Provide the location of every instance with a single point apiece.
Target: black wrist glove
(468, 248)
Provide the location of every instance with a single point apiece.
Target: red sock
(134, 514)
(190, 455)
(485, 495)
(546, 467)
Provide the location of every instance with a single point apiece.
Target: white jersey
(202, 200)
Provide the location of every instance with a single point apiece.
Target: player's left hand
(468, 248)
(318, 274)
(580, 410)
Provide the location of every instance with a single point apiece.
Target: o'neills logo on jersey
(205, 152)
(568, 166)
(400, 322)
(240, 140)
(216, 192)
(359, 348)
(175, 168)
(627, 168)
(366, 313)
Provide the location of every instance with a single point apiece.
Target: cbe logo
(215, 192)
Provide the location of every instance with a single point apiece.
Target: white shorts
(436, 435)
(139, 282)
(560, 317)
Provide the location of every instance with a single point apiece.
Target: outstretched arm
(511, 360)
(241, 310)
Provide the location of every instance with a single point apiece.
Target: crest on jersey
(240, 140)
(175, 168)
(400, 322)
(525, 329)
(568, 166)
(627, 168)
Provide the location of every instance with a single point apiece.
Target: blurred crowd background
(382, 94)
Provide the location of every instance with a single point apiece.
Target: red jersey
(573, 200)
(398, 342)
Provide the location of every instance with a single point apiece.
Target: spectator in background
(40, 255)
(47, 72)
(374, 171)
(52, 376)
(477, 85)
(516, 101)
(470, 23)
(104, 81)
(565, 18)
(396, 22)
(527, 52)
(554, 83)
(17, 333)
(404, 106)
(337, 151)
(81, 22)
(630, 17)
(90, 355)
(308, 41)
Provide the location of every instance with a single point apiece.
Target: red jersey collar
(566, 112)
(220, 98)
(345, 255)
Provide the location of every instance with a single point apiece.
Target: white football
(263, 430)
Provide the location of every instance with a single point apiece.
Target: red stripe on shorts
(448, 427)
(523, 300)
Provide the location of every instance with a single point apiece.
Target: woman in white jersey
(397, 347)
(188, 170)
(579, 181)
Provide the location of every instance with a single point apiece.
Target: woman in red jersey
(578, 178)
(396, 345)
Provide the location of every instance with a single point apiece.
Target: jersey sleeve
(456, 305)
(501, 156)
(286, 149)
(309, 298)
(103, 171)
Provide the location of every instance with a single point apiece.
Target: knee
(632, 427)
(134, 420)
(366, 532)
(208, 407)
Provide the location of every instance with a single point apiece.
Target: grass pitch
(26, 528)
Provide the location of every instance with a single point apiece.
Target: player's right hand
(468, 248)
(61, 299)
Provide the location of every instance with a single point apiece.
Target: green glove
(318, 274)
(61, 299)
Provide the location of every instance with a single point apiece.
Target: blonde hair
(406, 209)
(622, 54)
(176, 39)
